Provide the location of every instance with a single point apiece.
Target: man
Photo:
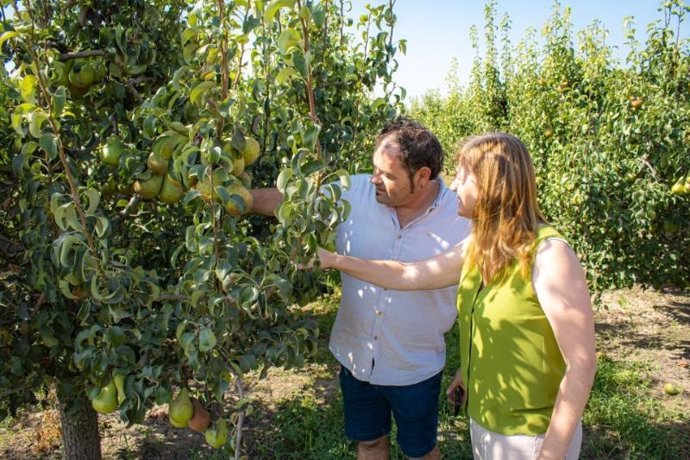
(390, 344)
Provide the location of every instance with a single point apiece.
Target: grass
(623, 420)
(626, 417)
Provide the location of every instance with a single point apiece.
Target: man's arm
(266, 201)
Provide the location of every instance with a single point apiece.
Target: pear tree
(135, 273)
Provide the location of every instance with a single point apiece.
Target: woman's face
(465, 186)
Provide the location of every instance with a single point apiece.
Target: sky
(438, 30)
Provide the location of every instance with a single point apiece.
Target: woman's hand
(456, 393)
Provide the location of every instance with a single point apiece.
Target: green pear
(157, 164)
(82, 75)
(246, 179)
(171, 191)
(106, 399)
(217, 435)
(119, 379)
(181, 409)
(112, 151)
(149, 188)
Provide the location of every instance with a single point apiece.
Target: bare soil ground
(652, 327)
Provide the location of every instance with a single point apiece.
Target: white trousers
(487, 445)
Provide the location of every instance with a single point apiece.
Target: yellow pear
(237, 165)
(251, 151)
(235, 208)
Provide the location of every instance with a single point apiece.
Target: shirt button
(376, 337)
(379, 313)
(399, 236)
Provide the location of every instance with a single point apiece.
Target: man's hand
(326, 258)
(323, 256)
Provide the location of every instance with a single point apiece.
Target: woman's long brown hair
(506, 216)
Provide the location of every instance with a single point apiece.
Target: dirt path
(645, 326)
(650, 327)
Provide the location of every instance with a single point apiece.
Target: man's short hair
(419, 147)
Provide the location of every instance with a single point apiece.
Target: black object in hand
(457, 400)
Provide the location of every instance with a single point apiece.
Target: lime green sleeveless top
(510, 361)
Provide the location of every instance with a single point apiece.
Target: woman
(526, 326)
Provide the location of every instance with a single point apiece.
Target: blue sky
(438, 30)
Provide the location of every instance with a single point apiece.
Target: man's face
(393, 186)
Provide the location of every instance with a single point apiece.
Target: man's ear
(422, 176)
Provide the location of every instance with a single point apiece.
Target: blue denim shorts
(368, 411)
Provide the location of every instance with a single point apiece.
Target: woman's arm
(560, 285)
(437, 272)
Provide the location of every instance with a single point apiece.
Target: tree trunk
(80, 437)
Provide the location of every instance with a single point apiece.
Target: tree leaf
(207, 340)
(344, 177)
(94, 199)
(7, 35)
(273, 8)
(311, 137)
(36, 120)
(288, 39)
(283, 179)
(48, 142)
(196, 95)
(300, 63)
(27, 88)
(59, 101)
(285, 74)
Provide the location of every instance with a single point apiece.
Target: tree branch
(81, 54)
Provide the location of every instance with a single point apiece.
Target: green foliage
(104, 99)
(609, 141)
(625, 422)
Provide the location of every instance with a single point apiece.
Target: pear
(217, 435)
(82, 75)
(238, 164)
(671, 389)
(149, 188)
(157, 164)
(171, 191)
(112, 151)
(251, 151)
(119, 379)
(246, 179)
(181, 409)
(241, 203)
(205, 188)
(106, 399)
(200, 419)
